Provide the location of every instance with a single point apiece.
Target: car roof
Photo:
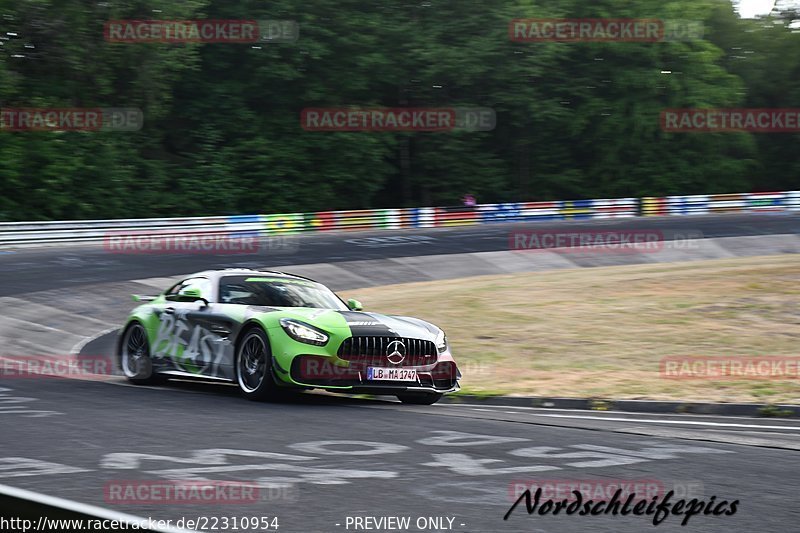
(248, 272)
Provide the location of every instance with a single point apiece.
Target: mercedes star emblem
(396, 352)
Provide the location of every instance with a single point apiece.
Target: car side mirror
(191, 294)
(354, 305)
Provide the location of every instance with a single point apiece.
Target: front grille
(373, 350)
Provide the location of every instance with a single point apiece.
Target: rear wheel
(254, 366)
(134, 357)
(420, 398)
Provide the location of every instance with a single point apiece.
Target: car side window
(172, 292)
(236, 293)
(200, 283)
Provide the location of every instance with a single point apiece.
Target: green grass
(600, 332)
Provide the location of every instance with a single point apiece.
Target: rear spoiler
(140, 298)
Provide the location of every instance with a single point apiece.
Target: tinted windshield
(277, 292)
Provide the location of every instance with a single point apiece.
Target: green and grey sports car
(270, 332)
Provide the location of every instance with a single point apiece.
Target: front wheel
(420, 398)
(134, 357)
(254, 366)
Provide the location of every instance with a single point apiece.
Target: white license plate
(391, 374)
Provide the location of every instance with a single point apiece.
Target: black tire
(420, 398)
(253, 366)
(134, 357)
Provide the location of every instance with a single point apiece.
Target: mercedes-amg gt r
(269, 332)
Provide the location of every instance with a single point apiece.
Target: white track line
(82, 508)
(86, 340)
(42, 326)
(600, 414)
(659, 422)
(37, 308)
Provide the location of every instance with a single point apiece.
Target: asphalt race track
(26, 270)
(322, 461)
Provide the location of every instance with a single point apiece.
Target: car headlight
(302, 332)
(441, 341)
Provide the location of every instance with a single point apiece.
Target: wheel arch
(134, 320)
(246, 327)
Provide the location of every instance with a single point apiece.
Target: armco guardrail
(22, 233)
(703, 204)
(430, 217)
(76, 231)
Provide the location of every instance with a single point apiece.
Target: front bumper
(332, 373)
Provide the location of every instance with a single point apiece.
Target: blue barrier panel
(245, 219)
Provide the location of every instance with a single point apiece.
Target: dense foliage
(222, 133)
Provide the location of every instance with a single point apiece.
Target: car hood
(361, 323)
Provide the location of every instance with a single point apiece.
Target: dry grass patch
(600, 332)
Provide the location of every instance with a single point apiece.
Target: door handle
(169, 311)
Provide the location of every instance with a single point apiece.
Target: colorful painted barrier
(76, 231)
(703, 204)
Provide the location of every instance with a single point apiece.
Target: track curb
(633, 406)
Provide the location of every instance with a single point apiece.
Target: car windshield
(277, 292)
